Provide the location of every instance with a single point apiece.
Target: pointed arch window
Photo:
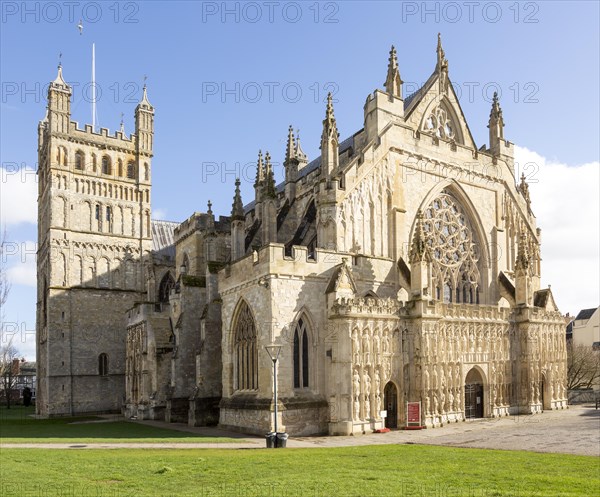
(455, 250)
(300, 355)
(440, 123)
(165, 287)
(245, 350)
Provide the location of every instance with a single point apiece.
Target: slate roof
(309, 168)
(585, 314)
(163, 242)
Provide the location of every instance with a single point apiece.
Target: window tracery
(245, 350)
(454, 250)
(440, 124)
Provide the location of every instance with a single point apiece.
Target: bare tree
(8, 371)
(583, 366)
(4, 283)
(8, 351)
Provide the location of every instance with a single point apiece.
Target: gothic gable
(435, 110)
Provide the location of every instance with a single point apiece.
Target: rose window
(453, 249)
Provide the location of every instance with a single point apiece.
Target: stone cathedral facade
(401, 265)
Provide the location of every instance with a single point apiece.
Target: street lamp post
(273, 351)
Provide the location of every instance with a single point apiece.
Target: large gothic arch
(478, 292)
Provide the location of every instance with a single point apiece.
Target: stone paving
(572, 431)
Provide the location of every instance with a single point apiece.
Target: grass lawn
(16, 426)
(368, 471)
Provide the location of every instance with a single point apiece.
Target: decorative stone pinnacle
(209, 211)
(237, 208)
(393, 82)
(441, 56)
(260, 169)
(522, 262)
(290, 152)
(418, 249)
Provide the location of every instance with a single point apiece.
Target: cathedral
(401, 266)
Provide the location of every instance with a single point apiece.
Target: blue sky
(225, 84)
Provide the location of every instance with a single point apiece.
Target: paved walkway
(572, 431)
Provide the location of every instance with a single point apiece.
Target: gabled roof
(341, 279)
(545, 299)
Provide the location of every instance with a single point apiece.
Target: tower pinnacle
(393, 82)
(237, 208)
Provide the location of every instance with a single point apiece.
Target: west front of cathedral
(401, 265)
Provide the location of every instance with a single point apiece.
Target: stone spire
(442, 66)
(269, 177)
(393, 82)
(496, 123)
(419, 251)
(524, 189)
(59, 81)
(237, 208)
(441, 56)
(290, 151)
(522, 262)
(329, 140)
(300, 155)
(144, 102)
(260, 170)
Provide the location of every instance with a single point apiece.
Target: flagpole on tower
(93, 86)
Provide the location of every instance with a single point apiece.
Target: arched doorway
(473, 395)
(390, 401)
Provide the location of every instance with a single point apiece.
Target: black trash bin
(271, 440)
(282, 440)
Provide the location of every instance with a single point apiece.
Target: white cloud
(21, 263)
(565, 201)
(159, 214)
(18, 195)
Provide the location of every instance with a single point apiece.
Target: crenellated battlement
(88, 136)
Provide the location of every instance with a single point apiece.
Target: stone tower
(93, 232)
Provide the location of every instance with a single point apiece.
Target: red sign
(413, 412)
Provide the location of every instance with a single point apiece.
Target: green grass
(16, 426)
(390, 470)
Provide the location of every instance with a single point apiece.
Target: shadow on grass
(19, 425)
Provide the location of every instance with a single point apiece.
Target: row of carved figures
(368, 347)
(367, 393)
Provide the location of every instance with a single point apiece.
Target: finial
(290, 151)
(60, 61)
(418, 250)
(522, 261)
(269, 177)
(237, 208)
(260, 169)
(300, 155)
(393, 82)
(80, 27)
(209, 211)
(122, 123)
(145, 78)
